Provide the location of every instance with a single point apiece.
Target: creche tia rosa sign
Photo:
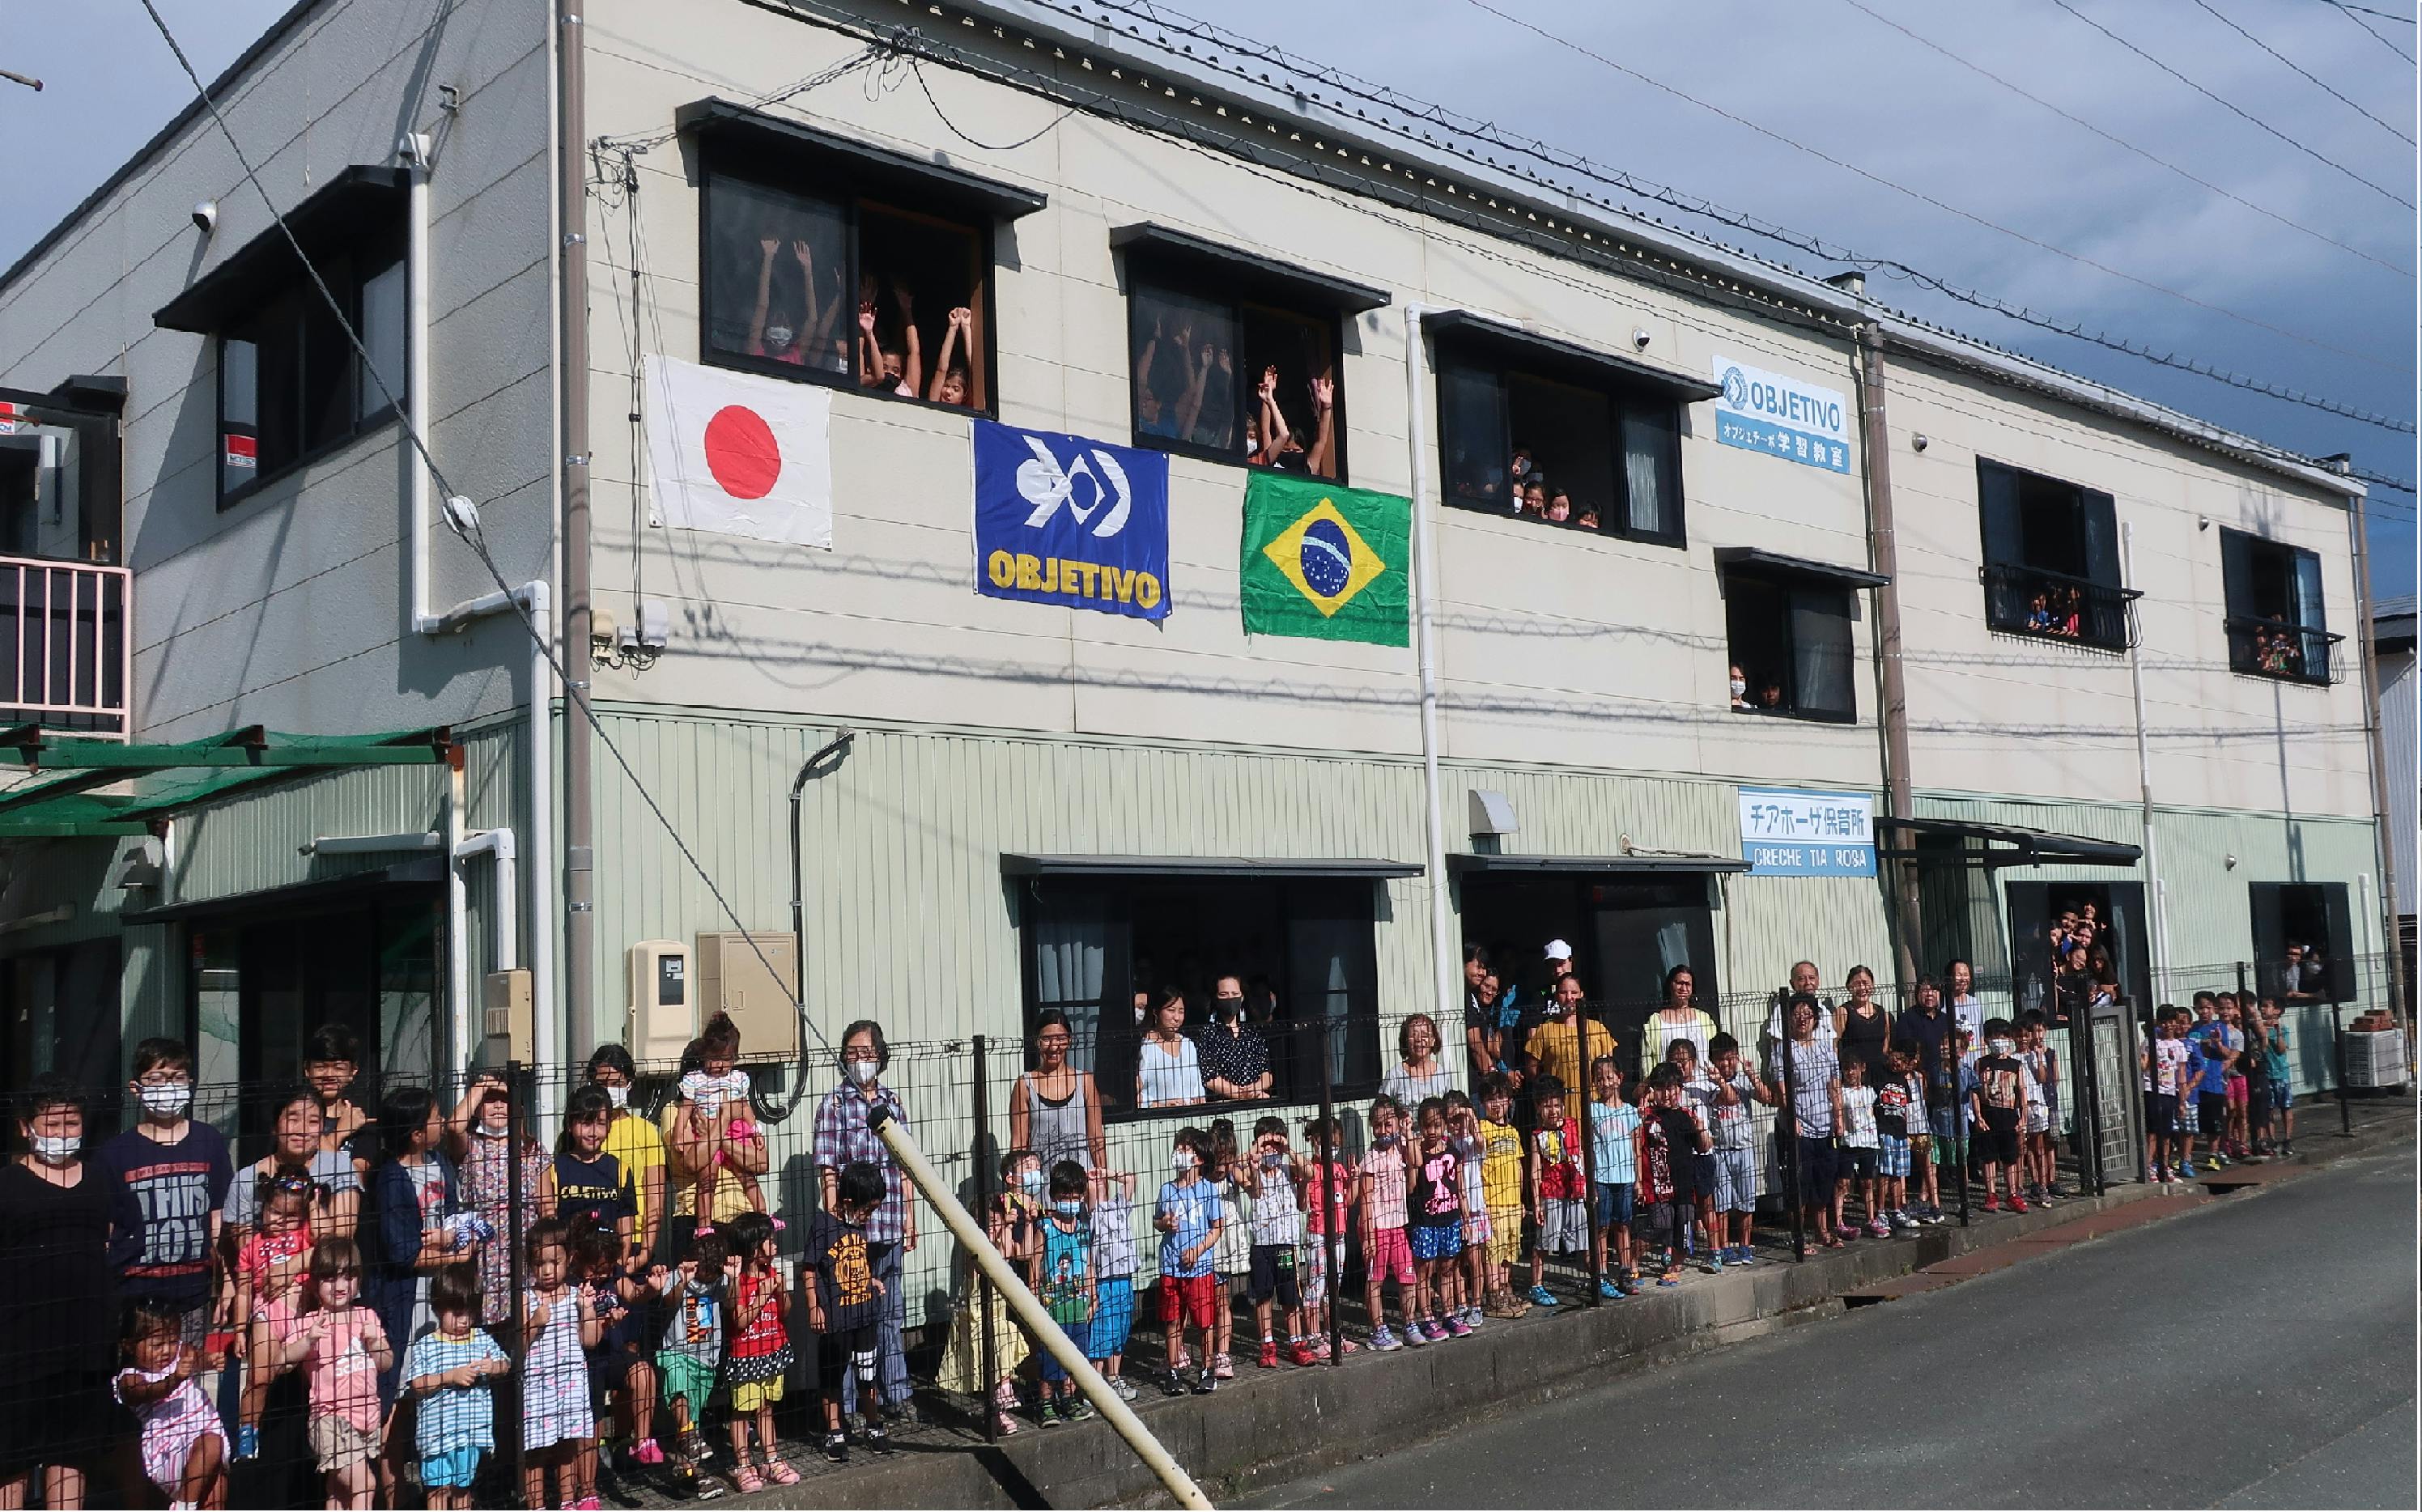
(1782, 416)
(1787, 832)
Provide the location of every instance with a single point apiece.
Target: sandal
(744, 1480)
(783, 1475)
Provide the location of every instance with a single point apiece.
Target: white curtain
(1068, 968)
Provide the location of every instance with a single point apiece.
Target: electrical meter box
(505, 1015)
(761, 996)
(663, 1017)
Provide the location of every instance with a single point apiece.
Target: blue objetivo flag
(1060, 519)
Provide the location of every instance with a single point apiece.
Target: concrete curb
(1268, 1426)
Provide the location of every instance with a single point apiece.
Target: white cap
(1559, 951)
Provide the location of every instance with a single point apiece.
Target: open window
(1096, 947)
(1235, 358)
(1559, 435)
(2277, 626)
(292, 386)
(834, 262)
(1788, 629)
(2303, 941)
(2051, 558)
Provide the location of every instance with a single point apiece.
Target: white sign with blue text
(1790, 833)
(1782, 416)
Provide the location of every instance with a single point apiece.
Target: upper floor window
(1559, 435)
(2051, 558)
(291, 385)
(2277, 624)
(832, 260)
(1787, 627)
(1234, 358)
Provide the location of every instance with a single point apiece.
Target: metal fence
(986, 1110)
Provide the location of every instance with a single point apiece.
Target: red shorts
(1191, 1298)
(1390, 1257)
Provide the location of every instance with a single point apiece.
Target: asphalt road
(2255, 1352)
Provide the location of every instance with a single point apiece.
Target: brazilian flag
(1326, 562)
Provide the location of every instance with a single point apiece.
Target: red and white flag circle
(738, 454)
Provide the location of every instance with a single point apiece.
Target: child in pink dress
(184, 1448)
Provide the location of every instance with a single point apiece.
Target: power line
(2204, 7)
(1918, 195)
(2123, 143)
(1457, 124)
(2384, 15)
(2376, 35)
(2232, 109)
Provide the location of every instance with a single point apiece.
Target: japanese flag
(738, 454)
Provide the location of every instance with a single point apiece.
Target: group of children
(2218, 1071)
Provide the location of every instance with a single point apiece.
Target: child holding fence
(1380, 1196)
(450, 1371)
(1190, 1218)
(1614, 1160)
(346, 1348)
(1111, 1219)
(1064, 1273)
(1555, 1185)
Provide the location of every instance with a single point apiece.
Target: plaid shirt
(843, 1136)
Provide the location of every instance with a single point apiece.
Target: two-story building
(1799, 565)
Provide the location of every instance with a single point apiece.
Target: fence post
(1589, 1150)
(516, 1100)
(1791, 1155)
(986, 1350)
(1332, 1235)
(2089, 1124)
(2346, 1110)
(2241, 981)
(1958, 1122)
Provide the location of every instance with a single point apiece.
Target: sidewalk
(1269, 1425)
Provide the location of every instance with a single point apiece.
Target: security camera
(1639, 338)
(1917, 442)
(206, 216)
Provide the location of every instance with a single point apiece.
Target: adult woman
(1860, 1026)
(1419, 1074)
(294, 1144)
(1168, 1073)
(845, 1135)
(1235, 1060)
(1966, 1012)
(634, 1141)
(485, 1132)
(1053, 1109)
(58, 1315)
(1678, 1019)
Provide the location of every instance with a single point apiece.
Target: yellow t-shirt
(1554, 1045)
(730, 1198)
(1501, 1165)
(640, 1146)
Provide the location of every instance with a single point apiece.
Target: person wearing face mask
(1236, 1058)
(1995, 1107)
(167, 1177)
(58, 1313)
(1739, 689)
(843, 1134)
(635, 1141)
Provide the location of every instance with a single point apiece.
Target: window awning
(865, 166)
(420, 872)
(1196, 866)
(170, 776)
(1775, 564)
(359, 199)
(1569, 865)
(1247, 273)
(2013, 844)
(1522, 346)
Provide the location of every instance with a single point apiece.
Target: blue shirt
(1612, 1150)
(1195, 1206)
(452, 1417)
(2215, 1068)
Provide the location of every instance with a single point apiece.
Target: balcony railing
(66, 645)
(2056, 607)
(2270, 648)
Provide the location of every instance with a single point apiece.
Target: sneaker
(1850, 1231)
(1173, 1385)
(1384, 1340)
(2186, 1170)
(1303, 1354)
(1414, 1335)
(1205, 1382)
(2219, 1161)
(1608, 1289)
(1670, 1278)
(1437, 1332)
(588, 1503)
(2017, 1204)
(1903, 1221)
(247, 1441)
(1048, 1415)
(1079, 1409)
(1457, 1329)
(877, 1440)
(836, 1447)
(646, 1453)
(1120, 1388)
(1222, 1367)
(1268, 1358)
(1541, 1297)
(1344, 1347)
(1473, 1318)
(1747, 1254)
(1878, 1227)
(1992, 1204)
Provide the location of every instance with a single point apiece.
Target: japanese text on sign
(1790, 833)
(1782, 416)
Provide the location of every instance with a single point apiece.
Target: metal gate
(2109, 1113)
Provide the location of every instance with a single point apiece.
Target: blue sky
(2189, 270)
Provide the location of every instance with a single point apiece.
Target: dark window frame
(1115, 1041)
(2266, 911)
(348, 271)
(1472, 355)
(1170, 282)
(2010, 579)
(804, 175)
(2244, 627)
(1787, 588)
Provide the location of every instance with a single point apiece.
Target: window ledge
(2046, 638)
(838, 382)
(1627, 538)
(1215, 457)
(367, 429)
(2298, 679)
(1799, 716)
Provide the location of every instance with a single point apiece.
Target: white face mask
(619, 1096)
(1739, 687)
(170, 1099)
(778, 336)
(2004, 1046)
(1182, 1162)
(862, 1073)
(56, 1152)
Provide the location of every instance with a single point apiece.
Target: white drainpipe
(1448, 960)
(532, 596)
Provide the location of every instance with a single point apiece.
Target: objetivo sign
(1788, 832)
(1761, 411)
